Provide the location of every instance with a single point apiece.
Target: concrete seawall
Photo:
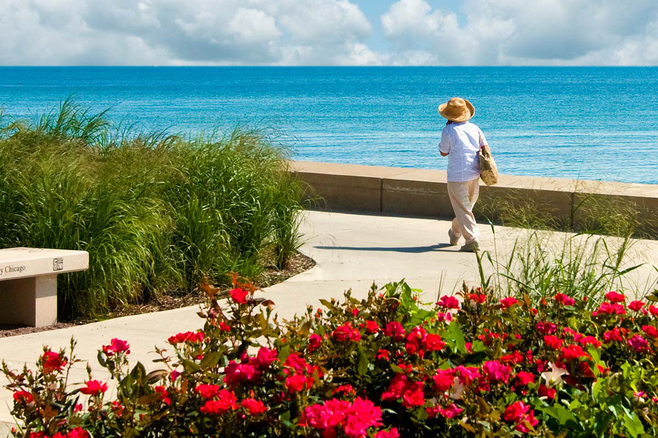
(423, 193)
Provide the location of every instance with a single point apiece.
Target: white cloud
(327, 32)
(541, 32)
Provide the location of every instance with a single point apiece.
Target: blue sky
(329, 32)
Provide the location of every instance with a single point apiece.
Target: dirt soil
(271, 276)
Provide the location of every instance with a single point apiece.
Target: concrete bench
(28, 283)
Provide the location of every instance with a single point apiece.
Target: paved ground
(351, 251)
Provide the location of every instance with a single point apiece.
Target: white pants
(462, 197)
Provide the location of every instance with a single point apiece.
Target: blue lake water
(581, 123)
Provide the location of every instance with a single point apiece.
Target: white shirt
(462, 141)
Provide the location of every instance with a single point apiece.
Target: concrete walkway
(351, 251)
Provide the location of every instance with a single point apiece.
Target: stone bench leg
(29, 301)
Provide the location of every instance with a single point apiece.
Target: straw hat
(457, 110)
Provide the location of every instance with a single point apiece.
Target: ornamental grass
(475, 364)
(156, 212)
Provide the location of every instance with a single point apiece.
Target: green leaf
(563, 416)
(633, 424)
(210, 360)
(362, 361)
(455, 334)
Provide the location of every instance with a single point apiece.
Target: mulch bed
(270, 276)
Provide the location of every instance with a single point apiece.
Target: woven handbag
(488, 169)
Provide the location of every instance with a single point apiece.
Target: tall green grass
(155, 212)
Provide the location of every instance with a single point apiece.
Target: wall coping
(504, 182)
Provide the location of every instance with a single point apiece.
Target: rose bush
(384, 366)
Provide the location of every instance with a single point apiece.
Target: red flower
(553, 342)
(653, 310)
(443, 379)
(372, 326)
(496, 372)
(254, 407)
(433, 342)
(393, 433)
(616, 334)
(196, 337)
(116, 346)
(296, 362)
(449, 302)
(478, 298)
(94, 387)
(516, 412)
(615, 297)
(564, 299)
(23, 397)
(394, 330)
(207, 391)
(345, 332)
(414, 397)
(224, 326)
(636, 305)
(227, 401)
(650, 331)
(239, 296)
(164, 395)
(295, 383)
(524, 378)
(508, 302)
(78, 432)
(610, 309)
(547, 328)
(383, 354)
(529, 420)
(573, 352)
(589, 340)
(314, 342)
(545, 391)
(53, 361)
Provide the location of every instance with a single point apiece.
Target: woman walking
(460, 142)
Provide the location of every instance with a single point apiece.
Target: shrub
(383, 366)
(155, 212)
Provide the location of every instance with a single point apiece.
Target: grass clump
(155, 212)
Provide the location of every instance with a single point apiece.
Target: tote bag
(488, 169)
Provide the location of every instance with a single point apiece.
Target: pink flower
(449, 302)
(94, 387)
(254, 407)
(239, 296)
(413, 397)
(451, 411)
(616, 334)
(354, 418)
(636, 305)
(265, 357)
(564, 299)
(496, 372)
(78, 432)
(238, 373)
(589, 340)
(116, 346)
(610, 309)
(508, 302)
(394, 330)
(638, 343)
(296, 362)
(615, 297)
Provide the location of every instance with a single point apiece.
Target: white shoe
(471, 247)
(454, 240)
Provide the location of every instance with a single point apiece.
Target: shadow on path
(409, 249)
